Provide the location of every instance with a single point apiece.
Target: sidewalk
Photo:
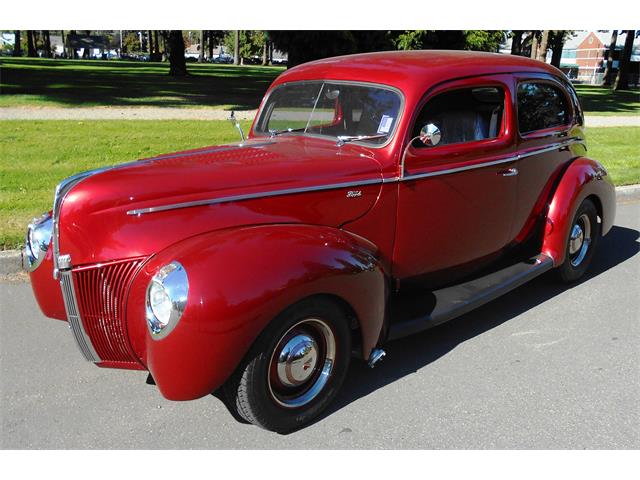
(172, 113)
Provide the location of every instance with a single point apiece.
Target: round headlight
(166, 298)
(38, 240)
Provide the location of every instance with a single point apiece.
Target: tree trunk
(265, 53)
(46, 40)
(150, 44)
(201, 52)
(516, 42)
(557, 45)
(86, 52)
(608, 73)
(534, 45)
(31, 48)
(622, 80)
(544, 45)
(210, 44)
(177, 63)
(71, 52)
(17, 47)
(236, 47)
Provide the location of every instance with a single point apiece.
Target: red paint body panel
(583, 178)
(232, 298)
(248, 260)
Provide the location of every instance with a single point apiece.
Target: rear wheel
(294, 369)
(582, 241)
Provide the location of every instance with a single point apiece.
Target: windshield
(348, 112)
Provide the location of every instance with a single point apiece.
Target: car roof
(414, 69)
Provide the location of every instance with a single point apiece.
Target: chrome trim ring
(579, 240)
(302, 363)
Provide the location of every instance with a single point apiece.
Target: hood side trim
(251, 196)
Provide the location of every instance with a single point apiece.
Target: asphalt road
(543, 367)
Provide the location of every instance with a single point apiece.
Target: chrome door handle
(509, 172)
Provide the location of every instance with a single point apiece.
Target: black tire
(253, 388)
(576, 263)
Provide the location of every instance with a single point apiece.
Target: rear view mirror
(430, 135)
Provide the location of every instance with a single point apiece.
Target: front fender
(583, 178)
(239, 280)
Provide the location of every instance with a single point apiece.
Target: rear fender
(583, 178)
(239, 280)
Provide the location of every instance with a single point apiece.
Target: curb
(11, 260)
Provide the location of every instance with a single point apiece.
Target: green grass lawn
(81, 83)
(36, 155)
(597, 100)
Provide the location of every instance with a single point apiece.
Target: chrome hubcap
(579, 240)
(297, 360)
(302, 363)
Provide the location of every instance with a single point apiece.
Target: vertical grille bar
(73, 315)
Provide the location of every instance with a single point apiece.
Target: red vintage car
(376, 196)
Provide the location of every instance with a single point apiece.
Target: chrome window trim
(338, 82)
(335, 186)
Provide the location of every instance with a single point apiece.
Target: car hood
(114, 213)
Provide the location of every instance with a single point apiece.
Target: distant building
(584, 56)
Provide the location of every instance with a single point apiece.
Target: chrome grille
(73, 316)
(101, 303)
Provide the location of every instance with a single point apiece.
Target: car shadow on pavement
(406, 356)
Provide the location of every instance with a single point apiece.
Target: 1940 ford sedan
(376, 195)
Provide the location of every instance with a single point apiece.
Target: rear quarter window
(540, 106)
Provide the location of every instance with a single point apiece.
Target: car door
(456, 200)
(549, 136)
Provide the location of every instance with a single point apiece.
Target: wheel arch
(583, 178)
(266, 269)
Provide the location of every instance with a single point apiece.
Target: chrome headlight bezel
(37, 241)
(171, 281)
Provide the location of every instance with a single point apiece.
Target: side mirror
(234, 121)
(430, 135)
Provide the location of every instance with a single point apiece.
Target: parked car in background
(377, 195)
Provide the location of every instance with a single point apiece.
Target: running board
(451, 302)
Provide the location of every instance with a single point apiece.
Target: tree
(236, 47)
(557, 44)
(543, 47)
(201, 49)
(483, 40)
(622, 80)
(608, 73)
(177, 62)
(31, 46)
(46, 40)
(516, 42)
(130, 42)
(17, 47)
(535, 40)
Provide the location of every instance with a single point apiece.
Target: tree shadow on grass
(601, 99)
(115, 83)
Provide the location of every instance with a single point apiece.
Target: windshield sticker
(385, 124)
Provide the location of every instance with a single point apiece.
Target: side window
(463, 115)
(541, 105)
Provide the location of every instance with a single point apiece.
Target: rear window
(541, 105)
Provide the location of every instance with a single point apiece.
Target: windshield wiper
(342, 139)
(274, 133)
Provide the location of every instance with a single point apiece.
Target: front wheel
(582, 241)
(294, 369)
